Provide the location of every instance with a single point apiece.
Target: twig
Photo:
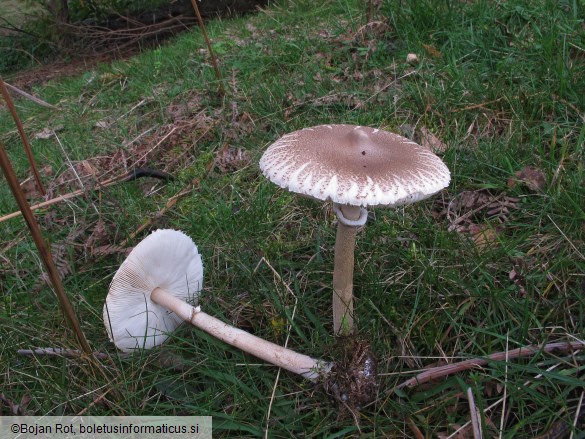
(414, 428)
(42, 247)
(29, 96)
(471, 107)
(502, 400)
(73, 194)
(576, 420)
(27, 147)
(503, 418)
(60, 352)
(473, 414)
(16, 409)
(100, 398)
(213, 61)
(450, 369)
(461, 428)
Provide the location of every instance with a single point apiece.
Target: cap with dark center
(354, 165)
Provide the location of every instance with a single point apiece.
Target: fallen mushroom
(148, 299)
(354, 167)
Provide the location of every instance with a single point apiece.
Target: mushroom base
(353, 380)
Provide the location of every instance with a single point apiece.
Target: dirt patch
(61, 68)
(353, 381)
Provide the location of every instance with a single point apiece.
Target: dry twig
(473, 414)
(450, 369)
(60, 352)
(213, 60)
(99, 185)
(25, 142)
(29, 96)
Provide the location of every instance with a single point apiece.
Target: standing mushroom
(148, 299)
(354, 167)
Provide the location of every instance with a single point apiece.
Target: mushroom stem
(290, 360)
(343, 272)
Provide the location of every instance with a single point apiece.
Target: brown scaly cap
(354, 165)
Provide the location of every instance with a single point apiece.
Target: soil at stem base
(353, 380)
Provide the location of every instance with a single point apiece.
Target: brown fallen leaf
(431, 50)
(532, 177)
(182, 110)
(484, 236)
(105, 123)
(30, 189)
(230, 159)
(47, 133)
(431, 142)
(519, 280)
(60, 257)
(15, 409)
(461, 433)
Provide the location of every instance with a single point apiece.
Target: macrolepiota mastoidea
(158, 287)
(354, 167)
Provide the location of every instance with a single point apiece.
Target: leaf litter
(170, 147)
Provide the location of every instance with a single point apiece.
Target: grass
(500, 83)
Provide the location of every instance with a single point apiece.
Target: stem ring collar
(347, 222)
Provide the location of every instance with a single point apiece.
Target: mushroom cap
(166, 259)
(354, 165)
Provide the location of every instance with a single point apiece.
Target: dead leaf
(104, 123)
(99, 235)
(431, 142)
(30, 189)
(169, 360)
(61, 260)
(29, 186)
(532, 177)
(183, 110)
(519, 280)
(471, 207)
(89, 168)
(465, 432)
(47, 133)
(15, 409)
(431, 50)
(483, 236)
(493, 388)
(230, 159)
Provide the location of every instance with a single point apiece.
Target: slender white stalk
(290, 360)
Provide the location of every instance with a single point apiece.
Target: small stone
(412, 59)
